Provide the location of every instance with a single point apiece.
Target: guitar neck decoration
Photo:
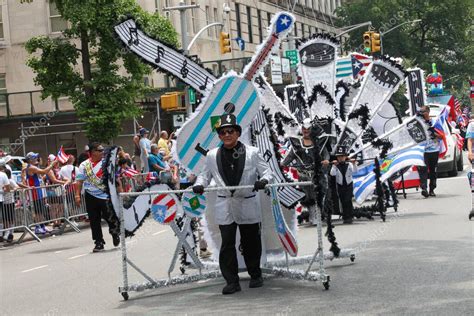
(280, 26)
(166, 58)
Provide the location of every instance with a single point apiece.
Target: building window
(216, 19)
(3, 90)
(269, 18)
(295, 30)
(157, 5)
(58, 24)
(194, 20)
(2, 36)
(237, 20)
(249, 23)
(259, 21)
(208, 20)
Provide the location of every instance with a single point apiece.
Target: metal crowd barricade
(209, 270)
(41, 205)
(13, 215)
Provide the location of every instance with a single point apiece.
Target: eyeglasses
(99, 150)
(230, 131)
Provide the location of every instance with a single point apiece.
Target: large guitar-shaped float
(230, 94)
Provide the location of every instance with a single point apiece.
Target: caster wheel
(353, 257)
(182, 269)
(125, 296)
(326, 285)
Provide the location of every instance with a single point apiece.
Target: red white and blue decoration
(194, 205)
(285, 235)
(164, 208)
(62, 156)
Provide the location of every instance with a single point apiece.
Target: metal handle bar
(212, 189)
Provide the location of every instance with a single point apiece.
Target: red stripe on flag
(283, 244)
(290, 242)
(170, 203)
(159, 198)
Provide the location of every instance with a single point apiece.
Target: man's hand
(470, 156)
(334, 162)
(260, 184)
(77, 198)
(198, 189)
(325, 162)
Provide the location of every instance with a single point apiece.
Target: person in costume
(90, 176)
(431, 156)
(232, 164)
(343, 170)
(301, 156)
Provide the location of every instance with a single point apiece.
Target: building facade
(29, 123)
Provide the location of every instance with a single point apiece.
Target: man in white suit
(234, 164)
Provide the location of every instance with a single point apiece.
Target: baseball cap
(31, 155)
(7, 158)
(51, 157)
(143, 131)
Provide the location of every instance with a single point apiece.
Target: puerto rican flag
(287, 240)
(459, 141)
(360, 63)
(151, 176)
(130, 172)
(164, 208)
(455, 108)
(62, 156)
(440, 126)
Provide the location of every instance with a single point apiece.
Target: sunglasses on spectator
(229, 131)
(99, 150)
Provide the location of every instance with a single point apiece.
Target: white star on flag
(284, 21)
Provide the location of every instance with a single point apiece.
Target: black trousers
(97, 209)
(251, 246)
(345, 193)
(431, 161)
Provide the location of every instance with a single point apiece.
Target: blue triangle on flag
(356, 66)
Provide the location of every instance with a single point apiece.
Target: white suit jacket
(351, 169)
(241, 206)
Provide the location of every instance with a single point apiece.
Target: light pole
(393, 28)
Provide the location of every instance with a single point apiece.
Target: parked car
(452, 162)
(17, 164)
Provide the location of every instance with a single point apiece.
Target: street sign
(292, 55)
(275, 67)
(192, 96)
(178, 120)
(285, 65)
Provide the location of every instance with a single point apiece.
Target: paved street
(420, 261)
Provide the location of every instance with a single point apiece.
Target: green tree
(89, 65)
(444, 35)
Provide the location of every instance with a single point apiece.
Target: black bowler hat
(228, 120)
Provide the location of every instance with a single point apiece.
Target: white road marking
(78, 256)
(453, 178)
(59, 251)
(32, 269)
(157, 233)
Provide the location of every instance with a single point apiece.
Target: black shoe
(257, 282)
(432, 193)
(231, 288)
(471, 215)
(116, 240)
(10, 238)
(424, 193)
(99, 246)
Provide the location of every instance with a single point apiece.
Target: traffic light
(367, 42)
(375, 42)
(224, 43)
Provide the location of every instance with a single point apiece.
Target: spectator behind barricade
(8, 161)
(5, 188)
(136, 149)
(121, 154)
(90, 175)
(68, 173)
(145, 147)
(54, 192)
(8, 211)
(37, 196)
(155, 160)
(164, 143)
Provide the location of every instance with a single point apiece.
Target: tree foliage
(444, 36)
(89, 65)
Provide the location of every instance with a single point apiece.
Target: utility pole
(184, 41)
